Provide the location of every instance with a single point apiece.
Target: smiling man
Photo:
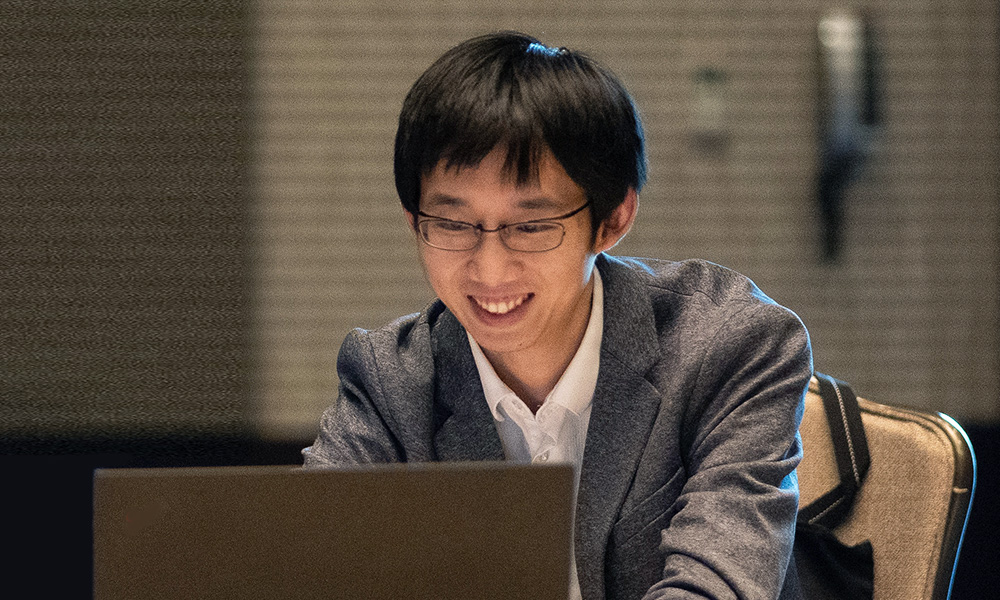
(675, 388)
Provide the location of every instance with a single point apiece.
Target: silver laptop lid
(422, 531)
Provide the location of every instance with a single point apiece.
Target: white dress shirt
(558, 431)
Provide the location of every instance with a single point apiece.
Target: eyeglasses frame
(478, 227)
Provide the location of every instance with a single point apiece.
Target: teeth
(501, 308)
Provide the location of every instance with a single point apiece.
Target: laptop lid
(420, 531)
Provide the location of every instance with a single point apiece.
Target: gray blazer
(687, 488)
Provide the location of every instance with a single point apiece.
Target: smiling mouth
(500, 307)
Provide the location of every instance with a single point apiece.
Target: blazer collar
(625, 407)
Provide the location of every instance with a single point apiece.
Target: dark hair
(508, 90)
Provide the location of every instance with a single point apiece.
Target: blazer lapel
(624, 409)
(464, 426)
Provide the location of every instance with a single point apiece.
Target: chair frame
(963, 484)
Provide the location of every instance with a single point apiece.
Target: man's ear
(617, 224)
(411, 219)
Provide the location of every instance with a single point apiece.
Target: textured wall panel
(909, 314)
(123, 218)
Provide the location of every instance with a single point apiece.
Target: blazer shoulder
(399, 353)
(692, 279)
(384, 410)
(401, 337)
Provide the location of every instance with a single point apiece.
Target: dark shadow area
(48, 498)
(977, 575)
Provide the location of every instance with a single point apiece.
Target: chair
(914, 504)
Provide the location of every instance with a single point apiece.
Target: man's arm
(732, 534)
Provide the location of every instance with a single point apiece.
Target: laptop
(416, 531)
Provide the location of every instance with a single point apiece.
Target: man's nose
(492, 262)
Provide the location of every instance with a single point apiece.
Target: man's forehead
(492, 185)
(531, 200)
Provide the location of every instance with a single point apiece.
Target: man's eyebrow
(531, 203)
(443, 200)
(538, 203)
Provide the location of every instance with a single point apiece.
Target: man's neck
(531, 381)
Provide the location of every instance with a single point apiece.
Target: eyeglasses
(539, 235)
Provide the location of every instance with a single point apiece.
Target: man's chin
(495, 340)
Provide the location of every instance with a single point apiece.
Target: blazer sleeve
(731, 535)
(355, 429)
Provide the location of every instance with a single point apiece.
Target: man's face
(511, 301)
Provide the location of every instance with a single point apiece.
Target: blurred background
(196, 205)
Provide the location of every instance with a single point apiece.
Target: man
(675, 388)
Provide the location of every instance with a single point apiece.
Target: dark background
(126, 273)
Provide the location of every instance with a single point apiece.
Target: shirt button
(544, 456)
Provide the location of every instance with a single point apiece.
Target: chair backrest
(913, 504)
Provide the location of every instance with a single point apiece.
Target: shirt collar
(575, 388)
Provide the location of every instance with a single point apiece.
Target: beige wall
(909, 314)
